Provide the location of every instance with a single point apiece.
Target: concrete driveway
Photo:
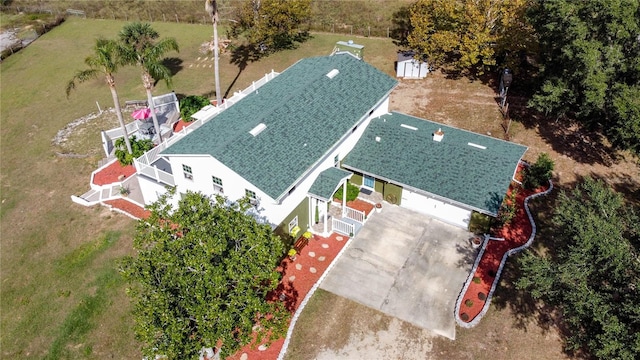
(406, 265)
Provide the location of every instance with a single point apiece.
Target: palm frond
(81, 76)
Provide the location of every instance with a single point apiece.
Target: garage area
(407, 265)
(448, 213)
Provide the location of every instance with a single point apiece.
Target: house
(432, 168)
(282, 139)
(290, 140)
(408, 67)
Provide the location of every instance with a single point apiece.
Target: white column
(344, 197)
(324, 203)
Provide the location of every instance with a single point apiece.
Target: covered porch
(328, 215)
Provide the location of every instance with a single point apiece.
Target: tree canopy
(593, 275)
(272, 25)
(468, 34)
(590, 64)
(201, 277)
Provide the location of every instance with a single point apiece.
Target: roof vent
(438, 135)
(377, 138)
(331, 74)
(409, 127)
(258, 129)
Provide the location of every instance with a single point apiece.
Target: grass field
(61, 295)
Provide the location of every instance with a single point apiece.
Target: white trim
(294, 220)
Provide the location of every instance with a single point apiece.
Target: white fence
(342, 227)
(354, 214)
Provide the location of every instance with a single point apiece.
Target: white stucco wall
(439, 209)
(151, 189)
(204, 167)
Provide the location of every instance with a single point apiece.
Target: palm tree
(138, 47)
(211, 7)
(104, 61)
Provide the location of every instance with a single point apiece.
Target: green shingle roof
(327, 182)
(452, 169)
(305, 113)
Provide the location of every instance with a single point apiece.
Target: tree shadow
(469, 255)
(241, 56)
(173, 64)
(401, 27)
(285, 292)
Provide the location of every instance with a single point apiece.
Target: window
(293, 224)
(253, 198)
(188, 174)
(217, 185)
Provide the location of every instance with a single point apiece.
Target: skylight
(258, 129)
(477, 146)
(331, 74)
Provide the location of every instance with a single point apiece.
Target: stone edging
(485, 308)
(304, 302)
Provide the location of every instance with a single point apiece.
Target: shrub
(191, 104)
(479, 223)
(468, 302)
(509, 208)
(476, 280)
(352, 192)
(539, 173)
(139, 147)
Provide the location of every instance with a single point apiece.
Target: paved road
(406, 265)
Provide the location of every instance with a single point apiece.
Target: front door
(368, 181)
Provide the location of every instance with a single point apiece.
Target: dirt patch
(81, 137)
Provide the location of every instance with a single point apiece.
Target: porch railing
(343, 227)
(354, 214)
(144, 164)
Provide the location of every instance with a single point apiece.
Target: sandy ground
(397, 341)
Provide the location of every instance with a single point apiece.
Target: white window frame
(187, 171)
(253, 197)
(219, 188)
(293, 223)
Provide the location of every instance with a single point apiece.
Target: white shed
(409, 68)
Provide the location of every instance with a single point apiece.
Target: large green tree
(593, 274)
(140, 47)
(590, 64)
(468, 34)
(104, 61)
(201, 278)
(273, 25)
